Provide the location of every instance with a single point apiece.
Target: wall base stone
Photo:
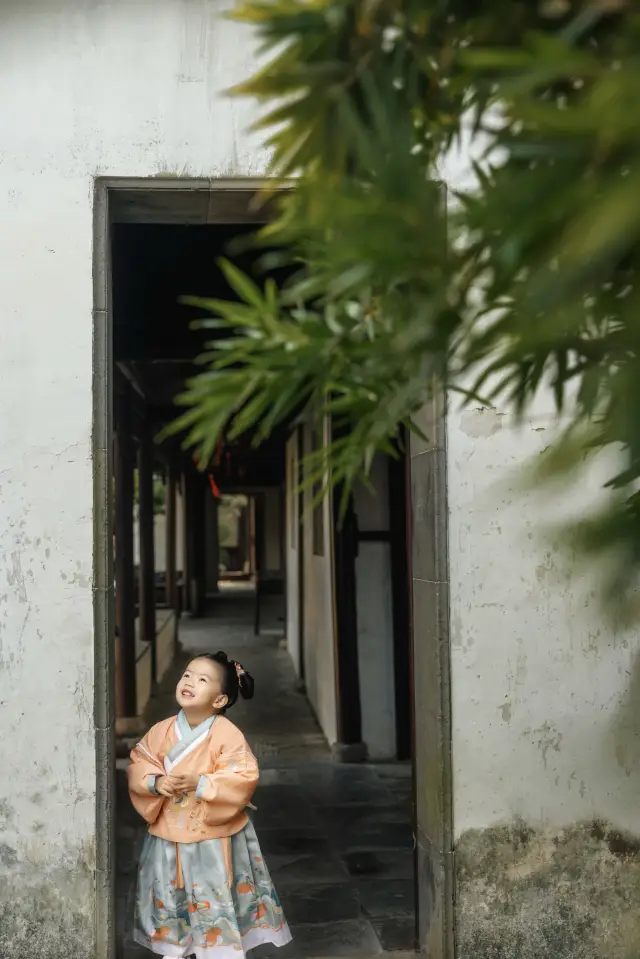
(533, 894)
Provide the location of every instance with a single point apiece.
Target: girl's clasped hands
(176, 784)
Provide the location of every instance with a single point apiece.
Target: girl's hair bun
(236, 679)
(245, 681)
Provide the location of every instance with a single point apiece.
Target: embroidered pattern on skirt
(211, 917)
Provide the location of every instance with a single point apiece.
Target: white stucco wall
(115, 88)
(374, 601)
(375, 650)
(318, 617)
(544, 687)
(543, 726)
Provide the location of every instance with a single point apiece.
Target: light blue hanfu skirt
(227, 906)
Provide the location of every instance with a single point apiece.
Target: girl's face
(200, 687)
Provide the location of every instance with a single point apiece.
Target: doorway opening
(236, 558)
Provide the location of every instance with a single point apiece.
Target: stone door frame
(210, 200)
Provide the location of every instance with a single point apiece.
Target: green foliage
(529, 286)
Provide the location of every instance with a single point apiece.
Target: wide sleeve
(229, 788)
(144, 768)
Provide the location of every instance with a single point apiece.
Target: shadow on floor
(337, 838)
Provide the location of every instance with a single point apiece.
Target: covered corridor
(337, 837)
(330, 643)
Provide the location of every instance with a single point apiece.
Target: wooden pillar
(147, 575)
(300, 536)
(186, 544)
(199, 541)
(170, 579)
(282, 532)
(252, 536)
(124, 462)
(345, 549)
(259, 555)
(195, 542)
(260, 534)
(244, 537)
(212, 544)
(400, 519)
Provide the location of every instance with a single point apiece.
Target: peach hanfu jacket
(218, 753)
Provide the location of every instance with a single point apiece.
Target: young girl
(203, 887)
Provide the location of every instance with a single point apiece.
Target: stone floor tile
(279, 777)
(279, 797)
(133, 951)
(387, 898)
(360, 818)
(284, 818)
(395, 934)
(294, 870)
(382, 864)
(344, 785)
(337, 773)
(400, 794)
(294, 842)
(321, 903)
(351, 938)
(394, 770)
(395, 835)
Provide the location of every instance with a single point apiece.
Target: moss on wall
(527, 894)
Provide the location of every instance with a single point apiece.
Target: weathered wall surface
(317, 618)
(546, 719)
(526, 893)
(546, 710)
(545, 723)
(88, 89)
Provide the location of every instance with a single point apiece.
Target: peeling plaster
(507, 711)
(16, 577)
(481, 422)
(545, 738)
